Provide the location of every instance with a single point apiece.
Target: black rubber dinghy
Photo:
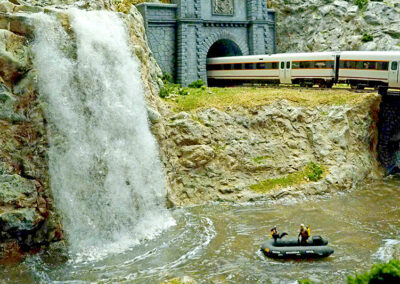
(316, 247)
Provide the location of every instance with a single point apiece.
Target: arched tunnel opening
(224, 47)
(389, 133)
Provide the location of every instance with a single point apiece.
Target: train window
(382, 65)
(213, 67)
(275, 65)
(249, 66)
(282, 65)
(320, 64)
(295, 64)
(348, 64)
(370, 65)
(261, 66)
(360, 64)
(394, 65)
(288, 65)
(228, 66)
(305, 64)
(330, 64)
(238, 66)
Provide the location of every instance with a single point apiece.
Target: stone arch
(209, 41)
(224, 47)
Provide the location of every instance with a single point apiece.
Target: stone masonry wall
(183, 54)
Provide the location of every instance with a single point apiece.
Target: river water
(220, 243)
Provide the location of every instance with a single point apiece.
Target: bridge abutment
(389, 133)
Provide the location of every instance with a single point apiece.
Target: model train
(360, 69)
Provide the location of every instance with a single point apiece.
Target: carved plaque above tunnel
(223, 7)
(183, 34)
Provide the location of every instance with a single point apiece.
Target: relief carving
(222, 7)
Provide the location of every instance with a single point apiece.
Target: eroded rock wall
(325, 25)
(216, 155)
(28, 217)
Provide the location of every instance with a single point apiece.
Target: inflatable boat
(316, 247)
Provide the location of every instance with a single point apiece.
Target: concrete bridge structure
(183, 34)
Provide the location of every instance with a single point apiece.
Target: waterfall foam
(105, 172)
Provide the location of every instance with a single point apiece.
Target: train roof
(305, 55)
(273, 56)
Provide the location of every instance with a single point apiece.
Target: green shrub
(361, 3)
(313, 172)
(304, 281)
(379, 273)
(3, 98)
(367, 38)
(197, 84)
(183, 92)
(164, 92)
(167, 78)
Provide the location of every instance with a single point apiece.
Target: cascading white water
(105, 171)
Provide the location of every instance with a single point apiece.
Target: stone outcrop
(218, 154)
(28, 217)
(325, 25)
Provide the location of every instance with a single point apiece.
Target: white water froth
(386, 252)
(106, 176)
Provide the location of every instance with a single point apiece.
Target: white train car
(358, 68)
(370, 68)
(290, 68)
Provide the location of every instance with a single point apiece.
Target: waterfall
(106, 176)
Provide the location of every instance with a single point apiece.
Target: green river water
(220, 243)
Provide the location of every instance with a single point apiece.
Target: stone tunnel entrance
(389, 133)
(224, 47)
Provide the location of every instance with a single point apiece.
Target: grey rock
(25, 219)
(196, 156)
(154, 116)
(368, 46)
(16, 190)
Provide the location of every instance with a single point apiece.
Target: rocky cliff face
(209, 154)
(28, 218)
(323, 25)
(235, 154)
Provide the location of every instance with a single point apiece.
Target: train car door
(285, 72)
(394, 74)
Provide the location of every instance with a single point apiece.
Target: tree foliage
(379, 273)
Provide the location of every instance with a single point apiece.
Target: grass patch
(261, 159)
(310, 173)
(222, 98)
(380, 273)
(367, 38)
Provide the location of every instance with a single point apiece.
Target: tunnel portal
(224, 47)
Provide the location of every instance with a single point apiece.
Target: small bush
(367, 38)
(313, 172)
(304, 281)
(164, 92)
(3, 98)
(361, 3)
(183, 92)
(197, 84)
(379, 273)
(167, 78)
